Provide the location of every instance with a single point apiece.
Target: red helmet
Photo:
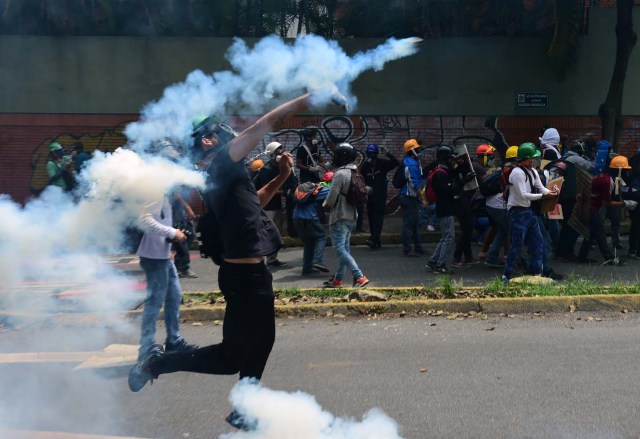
(485, 149)
(328, 176)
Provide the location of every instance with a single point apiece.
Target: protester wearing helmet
(444, 186)
(485, 154)
(375, 170)
(343, 216)
(238, 235)
(617, 169)
(59, 167)
(633, 194)
(308, 159)
(525, 187)
(601, 185)
(273, 208)
(410, 200)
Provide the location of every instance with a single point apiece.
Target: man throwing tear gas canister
(237, 235)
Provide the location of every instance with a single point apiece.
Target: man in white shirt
(525, 186)
(163, 286)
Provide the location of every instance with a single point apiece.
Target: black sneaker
(614, 263)
(276, 263)
(238, 421)
(140, 373)
(187, 274)
(179, 346)
(441, 270)
(320, 267)
(431, 266)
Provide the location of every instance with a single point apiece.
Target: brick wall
(24, 138)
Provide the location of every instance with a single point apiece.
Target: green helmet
(55, 146)
(528, 151)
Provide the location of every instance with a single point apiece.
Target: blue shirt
(413, 173)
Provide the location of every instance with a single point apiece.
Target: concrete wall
(118, 75)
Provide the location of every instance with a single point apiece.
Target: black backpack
(357, 194)
(399, 179)
(491, 184)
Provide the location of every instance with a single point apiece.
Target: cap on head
(528, 151)
(344, 154)
(372, 148)
(55, 146)
(410, 145)
(512, 152)
(619, 162)
(272, 147)
(485, 149)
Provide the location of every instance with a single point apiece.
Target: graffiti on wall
(388, 131)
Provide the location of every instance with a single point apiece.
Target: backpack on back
(430, 193)
(306, 192)
(491, 184)
(399, 178)
(357, 194)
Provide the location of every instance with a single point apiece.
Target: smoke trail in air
(272, 68)
(278, 415)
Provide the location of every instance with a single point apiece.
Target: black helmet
(579, 148)
(213, 125)
(343, 154)
(444, 153)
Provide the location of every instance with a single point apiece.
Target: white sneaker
(430, 228)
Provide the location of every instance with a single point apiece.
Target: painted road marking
(32, 434)
(112, 356)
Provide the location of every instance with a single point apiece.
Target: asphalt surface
(558, 376)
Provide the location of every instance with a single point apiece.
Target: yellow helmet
(512, 152)
(619, 162)
(410, 144)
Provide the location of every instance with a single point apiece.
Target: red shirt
(600, 191)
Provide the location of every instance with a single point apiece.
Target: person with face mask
(59, 167)
(308, 159)
(524, 187)
(375, 170)
(273, 208)
(238, 237)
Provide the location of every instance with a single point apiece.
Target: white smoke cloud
(270, 69)
(282, 415)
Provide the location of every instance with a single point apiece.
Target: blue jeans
(499, 217)
(546, 247)
(163, 287)
(410, 223)
(523, 227)
(443, 253)
(340, 235)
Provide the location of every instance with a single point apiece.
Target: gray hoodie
(337, 199)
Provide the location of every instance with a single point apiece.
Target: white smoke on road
(282, 415)
(271, 69)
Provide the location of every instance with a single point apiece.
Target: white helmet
(272, 147)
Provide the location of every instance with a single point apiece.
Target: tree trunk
(610, 111)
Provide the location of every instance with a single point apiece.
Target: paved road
(562, 376)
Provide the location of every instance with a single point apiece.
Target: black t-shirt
(375, 174)
(303, 156)
(243, 227)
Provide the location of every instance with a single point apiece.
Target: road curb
(520, 305)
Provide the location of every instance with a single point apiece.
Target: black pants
(375, 211)
(248, 332)
(182, 258)
(568, 235)
(634, 232)
(464, 213)
(598, 235)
